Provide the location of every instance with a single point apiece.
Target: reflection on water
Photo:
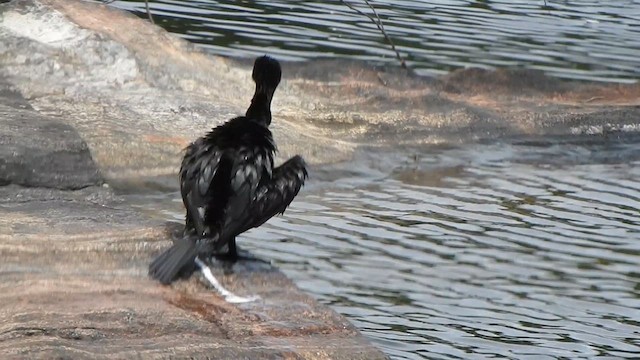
(522, 249)
(579, 39)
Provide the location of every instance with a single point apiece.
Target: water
(576, 39)
(525, 248)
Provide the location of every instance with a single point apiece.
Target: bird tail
(175, 261)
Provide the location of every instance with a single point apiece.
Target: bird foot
(228, 295)
(240, 255)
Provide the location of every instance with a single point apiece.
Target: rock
(39, 151)
(505, 81)
(73, 284)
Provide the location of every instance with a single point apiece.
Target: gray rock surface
(39, 151)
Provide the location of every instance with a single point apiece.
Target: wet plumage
(228, 182)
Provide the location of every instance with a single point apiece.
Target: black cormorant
(228, 182)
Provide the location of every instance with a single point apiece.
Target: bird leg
(228, 295)
(233, 250)
(234, 254)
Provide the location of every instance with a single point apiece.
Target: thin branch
(146, 4)
(378, 23)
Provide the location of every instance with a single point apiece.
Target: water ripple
(572, 39)
(509, 257)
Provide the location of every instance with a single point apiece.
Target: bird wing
(204, 186)
(218, 188)
(275, 195)
(251, 168)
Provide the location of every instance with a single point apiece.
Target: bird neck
(260, 108)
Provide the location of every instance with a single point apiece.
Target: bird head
(267, 73)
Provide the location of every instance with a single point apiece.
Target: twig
(378, 23)
(146, 4)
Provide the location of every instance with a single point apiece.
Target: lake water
(522, 248)
(487, 251)
(578, 39)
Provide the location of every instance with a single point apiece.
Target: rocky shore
(77, 117)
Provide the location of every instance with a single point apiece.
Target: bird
(229, 184)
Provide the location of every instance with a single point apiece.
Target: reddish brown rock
(73, 284)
